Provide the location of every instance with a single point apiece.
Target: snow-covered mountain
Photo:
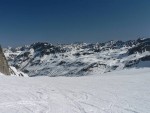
(79, 59)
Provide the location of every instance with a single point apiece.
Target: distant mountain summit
(79, 59)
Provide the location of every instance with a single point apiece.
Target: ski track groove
(81, 109)
(76, 95)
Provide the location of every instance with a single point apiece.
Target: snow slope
(125, 91)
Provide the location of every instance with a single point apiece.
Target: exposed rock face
(4, 68)
(141, 46)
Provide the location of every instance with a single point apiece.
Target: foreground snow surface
(126, 91)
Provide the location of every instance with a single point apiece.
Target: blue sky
(66, 21)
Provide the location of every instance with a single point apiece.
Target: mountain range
(79, 59)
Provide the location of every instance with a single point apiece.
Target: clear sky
(66, 21)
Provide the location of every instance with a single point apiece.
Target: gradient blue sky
(66, 21)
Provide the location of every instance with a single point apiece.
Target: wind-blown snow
(125, 91)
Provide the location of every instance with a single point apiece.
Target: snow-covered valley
(110, 77)
(74, 56)
(125, 91)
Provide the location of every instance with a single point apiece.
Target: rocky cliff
(4, 68)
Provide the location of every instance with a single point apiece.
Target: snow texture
(125, 91)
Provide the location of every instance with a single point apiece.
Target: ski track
(129, 94)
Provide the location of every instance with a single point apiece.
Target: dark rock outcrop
(142, 45)
(4, 68)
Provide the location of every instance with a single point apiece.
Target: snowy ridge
(15, 72)
(79, 59)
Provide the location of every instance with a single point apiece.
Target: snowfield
(126, 91)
